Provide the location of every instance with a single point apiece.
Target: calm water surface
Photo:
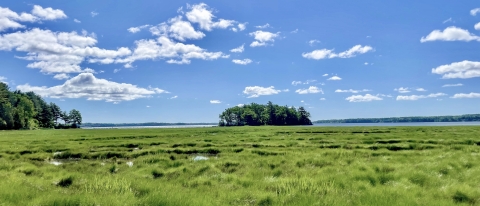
(317, 125)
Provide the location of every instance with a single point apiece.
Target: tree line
(270, 114)
(458, 118)
(28, 110)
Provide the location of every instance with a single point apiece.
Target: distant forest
(270, 114)
(458, 118)
(140, 124)
(20, 110)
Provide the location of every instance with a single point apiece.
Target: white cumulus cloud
(61, 76)
(262, 38)
(475, 11)
(242, 62)
(263, 26)
(86, 85)
(334, 78)
(215, 101)
(364, 98)
(3, 79)
(329, 53)
(421, 90)
(450, 34)
(417, 97)
(58, 52)
(313, 42)
(76, 21)
(10, 19)
(48, 13)
(94, 13)
(402, 90)
(462, 95)
(295, 83)
(477, 26)
(256, 91)
(309, 90)
(239, 49)
(165, 48)
(462, 70)
(137, 29)
(203, 15)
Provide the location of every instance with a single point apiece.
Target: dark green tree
(75, 118)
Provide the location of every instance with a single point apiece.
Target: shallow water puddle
(55, 162)
(200, 158)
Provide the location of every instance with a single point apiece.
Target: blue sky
(144, 61)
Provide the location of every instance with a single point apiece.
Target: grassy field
(245, 166)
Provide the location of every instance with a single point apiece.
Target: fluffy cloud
(462, 95)
(239, 49)
(329, 54)
(3, 79)
(477, 26)
(48, 13)
(313, 42)
(325, 75)
(365, 98)
(309, 90)
(178, 29)
(256, 91)
(86, 85)
(263, 26)
(421, 90)
(452, 85)
(61, 76)
(295, 83)
(417, 97)
(334, 78)
(57, 52)
(242, 27)
(322, 99)
(137, 29)
(165, 48)
(450, 34)
(351, 91)
(262, 38)
(462, 70)
(94, 13)
(174, 97)
(215, 102)
(9, 19)
(475, 11)
(242, 62)
(76, 21)
(201, 14)
(402, 90)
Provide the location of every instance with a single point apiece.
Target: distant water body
(400, 124)
(151, 127)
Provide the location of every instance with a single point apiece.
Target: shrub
(65, 182)
(156, 174)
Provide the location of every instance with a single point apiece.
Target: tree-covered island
(270, 114)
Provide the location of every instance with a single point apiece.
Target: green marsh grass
(245, 166)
